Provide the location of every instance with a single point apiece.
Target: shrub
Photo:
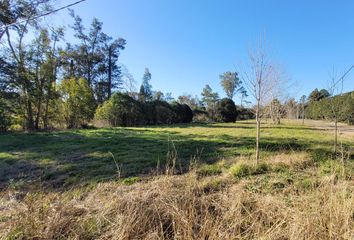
(131, 180)
(200, 116)
(121, 110)
(240, 170)
(226, 110)
(184, 113)
(78, 102)
(245, 113)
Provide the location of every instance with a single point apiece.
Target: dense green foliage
(78, 102)
(123, 110)
(340, 107)
(226, 110)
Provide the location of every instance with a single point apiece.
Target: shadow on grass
(239, 125)
(61, 160)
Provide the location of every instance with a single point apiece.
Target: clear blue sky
(188, 43)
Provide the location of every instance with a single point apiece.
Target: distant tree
(244, 95)
(168, 97)
(291, 108)
(209, 100)
(231, 83)
(78, 101)
(95, 58)
(192, 102)
(87, 56)
(316, 95)
(303, 101)
(324, 94)
(145, 93)
(128, 81)
(159, 96)
(276, 110)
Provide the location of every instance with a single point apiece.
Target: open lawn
(75, 157)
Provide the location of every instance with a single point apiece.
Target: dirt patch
(344, 129)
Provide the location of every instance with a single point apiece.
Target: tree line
(323, 106)
(47, 82)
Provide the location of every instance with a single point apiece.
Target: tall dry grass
(181, 207)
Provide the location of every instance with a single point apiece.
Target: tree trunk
(258, 128)
(109, 72)
(303, 113)
(29, 120)
(335, 135)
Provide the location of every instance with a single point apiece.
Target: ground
(193, 181)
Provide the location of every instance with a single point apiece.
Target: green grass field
(75, 157)
(65, 184)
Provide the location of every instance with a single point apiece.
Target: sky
(187, 44)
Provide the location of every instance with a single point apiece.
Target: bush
(200, 116)
(183, 112)
(123, 110)
(78, 102)
(245, 113)
(240, 170)
(226, 110)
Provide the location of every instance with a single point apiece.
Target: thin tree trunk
(303, 113)
(335, 134)
(258, 128)
(110, 72)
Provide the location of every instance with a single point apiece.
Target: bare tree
(128, 81)
(257, 78)
(277, 84)
(335, 90)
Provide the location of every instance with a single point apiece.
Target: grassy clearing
(70, 158)
(299, 191)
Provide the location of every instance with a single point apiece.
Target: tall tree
(145, 93)
(113, 69)
(209, 99)
(231, 83)
(15, 33)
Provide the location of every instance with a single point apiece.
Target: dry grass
(182, 207)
